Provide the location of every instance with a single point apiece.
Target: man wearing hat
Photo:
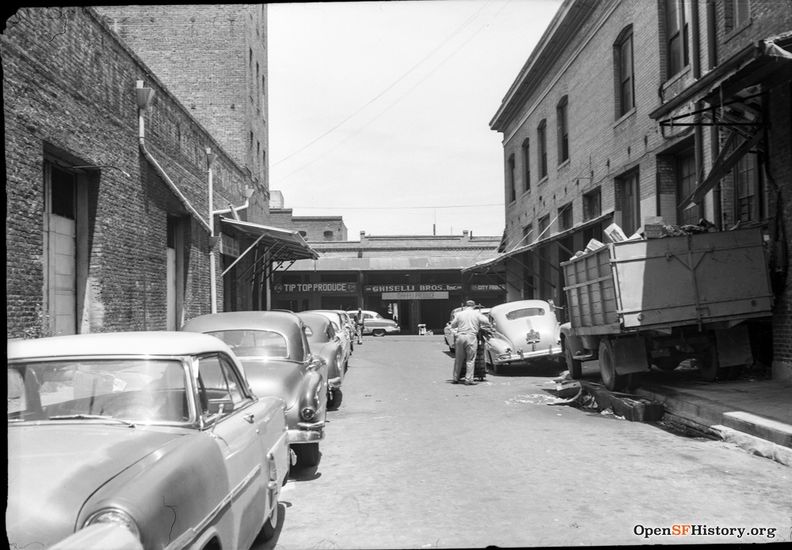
(467, 324)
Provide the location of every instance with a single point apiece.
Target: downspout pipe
(698, 141)
(163, 175)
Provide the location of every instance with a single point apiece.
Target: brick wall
(69, 96)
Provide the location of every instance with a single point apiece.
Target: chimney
(465, 234)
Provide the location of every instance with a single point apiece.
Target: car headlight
(114, 515)
(308, 413)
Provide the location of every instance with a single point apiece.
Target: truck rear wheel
(607, 362)
(574, 366)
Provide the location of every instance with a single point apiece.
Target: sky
(379, 111)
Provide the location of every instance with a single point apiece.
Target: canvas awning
(271, 247)
(485, 265)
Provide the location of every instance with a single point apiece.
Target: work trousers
(465, 349)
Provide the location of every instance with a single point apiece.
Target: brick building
(417, 279)
(629, 110)
(107, 178)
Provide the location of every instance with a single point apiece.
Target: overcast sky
(379, 111)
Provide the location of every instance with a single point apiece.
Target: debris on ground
(592, 396)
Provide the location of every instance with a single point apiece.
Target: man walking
(467, 324)
(359, 326)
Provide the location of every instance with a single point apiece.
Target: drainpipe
(210, 156)
(144, 97)
(698, 140)
(712, 62)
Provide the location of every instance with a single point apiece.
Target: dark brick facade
(69, 90)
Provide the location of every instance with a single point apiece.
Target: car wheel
(378, 332)
(270, 525)
(575, 367)
(307, 454)
(334, 398)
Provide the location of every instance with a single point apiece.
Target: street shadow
(259, 544)
(539, 367)
(307, 473)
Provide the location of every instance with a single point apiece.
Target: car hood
(54, 468)
(274, 378)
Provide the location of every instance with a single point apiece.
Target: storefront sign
(415, 295)
(486, 288)
(423, 287)
(304, 288)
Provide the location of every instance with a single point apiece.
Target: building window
(563, 130)
(565, 217)
(686, 184)
(328, 235)
(677, 17)
(302, 233)
(628, 202)
(623, 61)
(592, 204)
(747, 189)
(510, 183)
(544, 223)
(527, 230)
(737, 14)
(541, 138)
(526, 158)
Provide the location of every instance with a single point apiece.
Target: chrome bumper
(306, 433)
(525, 356)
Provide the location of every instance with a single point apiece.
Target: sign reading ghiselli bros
(307, 288)
(426, 291)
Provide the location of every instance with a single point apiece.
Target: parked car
(156, 432)
(326, 342)
(449, 334)
(523, 331)
(338, 323)
(276, 355)
(376, 325)
(349, 326)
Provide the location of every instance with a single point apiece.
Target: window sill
(564, 164)
(543, 180)
(674, 78)
(625, 116)
(737, 30)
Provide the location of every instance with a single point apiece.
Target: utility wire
(392, 104)
(388, 88)
(393, 207)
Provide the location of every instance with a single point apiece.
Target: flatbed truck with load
(661, 301)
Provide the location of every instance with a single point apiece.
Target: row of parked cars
(522, 331)
(168, 439)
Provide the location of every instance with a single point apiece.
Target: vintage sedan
(325, 341)
(155, 432)
(377, 325)
(338, 322)
(524, 331)
(276, 355)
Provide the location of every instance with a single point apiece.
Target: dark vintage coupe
(277, 358)
(154, 433)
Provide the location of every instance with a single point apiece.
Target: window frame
(511, 184)
(526, 158)
(541, 137)
(624, 76)
(562, 129)
(677, 58)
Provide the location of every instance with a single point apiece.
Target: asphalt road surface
(413, 461)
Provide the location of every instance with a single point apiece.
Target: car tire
(378, 332)
(607, 361)
(307, 454)
(334, 399)
(270, 525)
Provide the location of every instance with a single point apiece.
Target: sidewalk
(755, 414)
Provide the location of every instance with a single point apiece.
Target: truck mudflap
(630, 355)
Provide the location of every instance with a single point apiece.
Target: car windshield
(525, 312)
(255, 343)
(118, 390)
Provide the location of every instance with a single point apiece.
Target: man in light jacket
(467, 324)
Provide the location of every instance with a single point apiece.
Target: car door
(231, 417)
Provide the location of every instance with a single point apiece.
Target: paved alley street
(412, 461)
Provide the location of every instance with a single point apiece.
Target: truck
(662, 301)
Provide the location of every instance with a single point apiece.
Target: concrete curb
(755, 445)
(755, 434)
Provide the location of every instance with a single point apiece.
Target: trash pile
(654, 227)
(595, 397)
